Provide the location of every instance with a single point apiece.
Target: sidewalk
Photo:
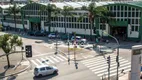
(15, 68)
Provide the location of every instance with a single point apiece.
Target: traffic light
(28, 49)
(108, 59)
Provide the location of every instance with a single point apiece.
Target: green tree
(56, 13)
(50, 9)
(14, 10)
(94, 12)
(66, 12)
(7, 43)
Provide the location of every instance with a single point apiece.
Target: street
(91, 65)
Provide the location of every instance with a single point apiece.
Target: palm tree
(94, 12)
(7, 43)
(14, 10)
(50, 9)
(66, 12)
(56, 13)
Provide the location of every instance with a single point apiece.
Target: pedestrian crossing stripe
(48, 60)
(103, 61)
(39, 62)
(111, 68)
(100, 60)
(99, 65)
(59, 58)
(63, 57)
(112, 63)
(34, 62)
(114, 71)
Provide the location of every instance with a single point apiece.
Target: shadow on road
(45, 77)
(2, 74)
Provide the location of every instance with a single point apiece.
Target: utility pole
(56, 43)
(117, 60)
(76, 64)
(74, 46)
(108, 61)
(68, 50)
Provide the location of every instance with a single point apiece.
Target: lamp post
(68, 50)
(117, 57)
(56, 43)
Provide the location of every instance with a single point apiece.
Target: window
(133, 14)
(137, 14)
(132, 21)
(126, 14)
(129, 21)
(125, 8)
(118, 14)
(129, 8)
(122, 8)
(132, 28)
(48, 68)
(129, 14)
(118, 7)
(136, 28)
(114, 7)
(121, 14)
(42, 69)
(111, 8)
(136, 21)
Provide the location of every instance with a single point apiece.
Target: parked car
(31, 33)
(40, 33)
(79, 40)
(52, 35)
(43, 70)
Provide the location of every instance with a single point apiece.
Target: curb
(19, 71)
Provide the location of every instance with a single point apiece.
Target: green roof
(136, 3)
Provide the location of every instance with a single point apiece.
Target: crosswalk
(46, 60)
(99, 65)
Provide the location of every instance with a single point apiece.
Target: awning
(118, 23)
(35, 20)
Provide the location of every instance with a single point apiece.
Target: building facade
(126, 23)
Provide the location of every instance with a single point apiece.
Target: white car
(45, 70)
(52, 35)
(79, 40)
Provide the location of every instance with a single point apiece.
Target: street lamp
(68, 50)
(56, 43)
(117, 57)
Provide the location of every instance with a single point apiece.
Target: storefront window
(136, 28)
(132, 28)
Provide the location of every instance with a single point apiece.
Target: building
(126, 23)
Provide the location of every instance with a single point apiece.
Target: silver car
(43, 70)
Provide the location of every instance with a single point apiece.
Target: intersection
(91, 65)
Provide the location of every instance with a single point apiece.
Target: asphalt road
(66, 72)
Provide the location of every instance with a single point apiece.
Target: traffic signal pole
(68, 50)
(56, 43)
(108, 61)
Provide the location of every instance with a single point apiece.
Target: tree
(50, 9)
(66, 12)
(56, 13)
(94, 12)
(14, 10)
(7, 43)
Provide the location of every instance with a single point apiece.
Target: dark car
(40, 33)
(31, 33)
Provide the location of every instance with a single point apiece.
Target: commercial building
(126, 23)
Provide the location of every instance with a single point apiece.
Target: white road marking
(34, 62)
